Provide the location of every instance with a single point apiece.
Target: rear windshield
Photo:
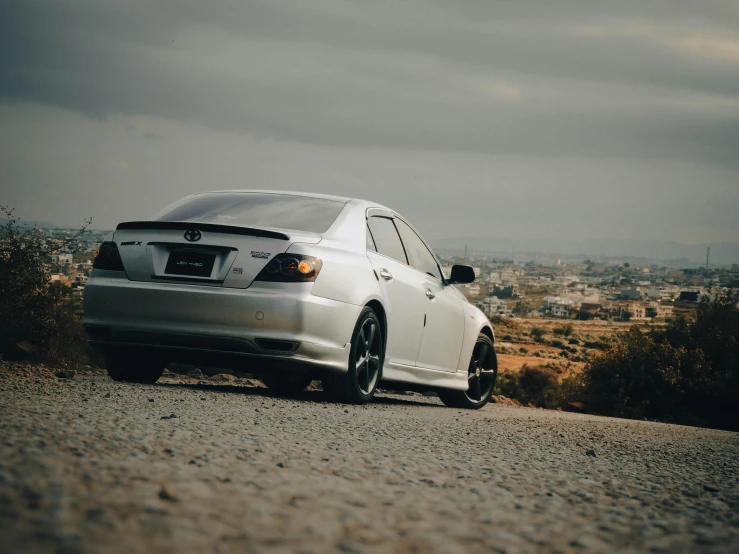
(283, 211)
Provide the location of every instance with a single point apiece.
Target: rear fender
(345, 276)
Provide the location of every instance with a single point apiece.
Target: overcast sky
(558, 119)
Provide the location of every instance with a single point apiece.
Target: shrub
(537, 333)
(556, 343)
(39, 319)
(564, 331)
(594, 344)
(573, 341)
(686, 372)
(530, 384)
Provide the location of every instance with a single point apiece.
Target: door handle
(385, 274)
(430, 295)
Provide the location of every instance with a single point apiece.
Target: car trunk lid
(201, 253)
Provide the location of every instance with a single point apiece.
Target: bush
(537, 332)
(39, 320)
(594, 344)
(687, 372)
(565, 331)
(530, 384)
(573, 341)
(556, 343)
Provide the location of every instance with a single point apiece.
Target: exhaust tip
(276, 345)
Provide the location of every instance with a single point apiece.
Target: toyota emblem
(193, 235)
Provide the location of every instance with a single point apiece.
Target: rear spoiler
(209, 227)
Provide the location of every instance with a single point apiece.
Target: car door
(443, 333)
(401, 285)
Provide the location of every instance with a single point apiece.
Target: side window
(386, 238)
(420, 257)
(370, 241)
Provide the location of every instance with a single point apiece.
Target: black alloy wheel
(481, 375)
(359, 383)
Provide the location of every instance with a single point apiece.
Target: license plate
(190, 262)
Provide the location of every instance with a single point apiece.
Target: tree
(38, 317)
(522, 308)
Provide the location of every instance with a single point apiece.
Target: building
(590, 311)
(636, 309)
(689, 296)
(61, 259)
(657, 310)
(494, 306)
(634, 293)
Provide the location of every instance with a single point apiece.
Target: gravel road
(89, 465)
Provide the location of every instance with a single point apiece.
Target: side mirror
(461, 275)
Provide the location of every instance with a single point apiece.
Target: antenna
(513, 254)
(708, 256)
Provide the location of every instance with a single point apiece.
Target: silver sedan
(292, 287)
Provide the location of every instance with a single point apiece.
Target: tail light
(108, 257)
(291, 268)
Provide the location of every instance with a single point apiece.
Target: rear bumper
(272, 322)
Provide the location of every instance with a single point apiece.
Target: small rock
(346, 411)
(151, 400)
(168, 493)
(65, 374)
(107, 395)
(590, 452)
(280, 464)
(197, 373)
(575, 407)
(530, 405)
(710, 488)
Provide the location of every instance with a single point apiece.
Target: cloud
(707, 45)
(616, 87)
(507, 93)
(120, 165)
(368, 75)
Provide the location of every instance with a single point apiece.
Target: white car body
(230, 318)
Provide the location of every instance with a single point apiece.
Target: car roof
(343, 199)
(285, 192)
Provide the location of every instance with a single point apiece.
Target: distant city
(570, 287)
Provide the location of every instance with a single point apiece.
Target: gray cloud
(567, 78)
(506, 117)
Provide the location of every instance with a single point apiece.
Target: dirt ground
(219, 465)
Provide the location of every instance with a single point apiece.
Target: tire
(359, 383)
(481, 376)
(133, 366)
(285, 383)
